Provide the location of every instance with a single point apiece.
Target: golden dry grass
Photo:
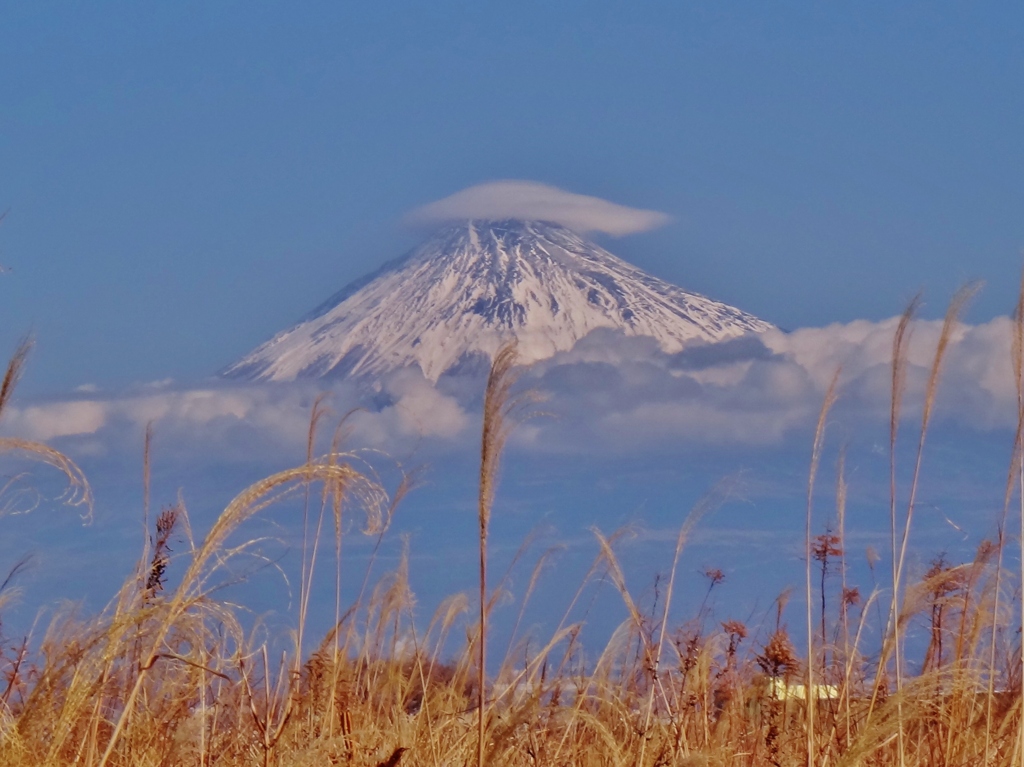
(168, 675)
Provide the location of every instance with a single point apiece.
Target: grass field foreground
(168, 676)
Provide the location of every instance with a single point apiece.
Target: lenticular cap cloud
(535, 201)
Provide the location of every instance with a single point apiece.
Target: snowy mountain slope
(473, 286)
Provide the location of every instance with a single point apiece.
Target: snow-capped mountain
(472, 287)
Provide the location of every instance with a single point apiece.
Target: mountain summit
(470, 288)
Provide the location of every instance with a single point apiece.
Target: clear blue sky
(184, 179)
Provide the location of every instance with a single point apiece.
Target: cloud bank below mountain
(609, 393)
(760, 390)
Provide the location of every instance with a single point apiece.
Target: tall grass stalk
(498, 420)
(956, 307)
(694, 516)
(844, 602)
(1017, 363)
(953, 311)
(1017, 356)
(900, 346)
(819, 438)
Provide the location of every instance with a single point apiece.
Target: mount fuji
(457, 298)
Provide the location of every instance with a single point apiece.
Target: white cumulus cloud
(617, 392)
(535, 201)
(231, 420)
(609, 393)
(48, 421)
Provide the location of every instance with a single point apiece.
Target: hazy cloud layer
(758, 389)
(533, 200)
(240, 421)
(610, 392)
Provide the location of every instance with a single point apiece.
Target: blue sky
(184, 180)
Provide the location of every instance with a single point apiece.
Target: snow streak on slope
(472, 287)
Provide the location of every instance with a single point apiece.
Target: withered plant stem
(497, 423)
(819, 440)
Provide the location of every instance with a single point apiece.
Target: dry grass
(168, 675)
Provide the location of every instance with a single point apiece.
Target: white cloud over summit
(535, 201)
